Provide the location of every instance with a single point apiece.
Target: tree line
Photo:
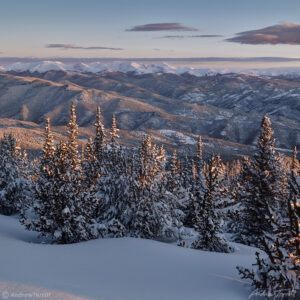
(106, 190)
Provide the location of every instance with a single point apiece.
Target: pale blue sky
(27, 26)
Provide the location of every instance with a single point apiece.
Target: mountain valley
(226, 109)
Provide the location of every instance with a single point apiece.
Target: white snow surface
(116, 269)
(40, 67)
(101, 67)
(184, 139)
(139, 68)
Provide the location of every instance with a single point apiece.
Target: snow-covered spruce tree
(261, 186)
(90, 164)
(195, 186)
(95, 157)
(14, 188)
(199, 152)
(186, 173)
(187, 182)
(152, 218)
(175, 191)
(100, 139)
(208, 202)
(173, 194)
(114, 133)
(76, 202)
(293, 215)
(66, 214)
(113, 194)
(113, 186)
(233, 222)
(173, 176)
(42, 188)
(277, 274)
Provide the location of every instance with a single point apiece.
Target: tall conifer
(208, 202)
(260, 188)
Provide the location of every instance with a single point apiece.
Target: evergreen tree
(113, 186)
(151, 212)
(233, 181)
(14, 188)
(100, 139)
(113, 192)
(187, 173)
(260, 188)
(90, 165)
(114, 132)
(208, 202)
(110, 155)
(72, 146)
(175, 193)
(178, 194)
(196, 184)
(292, 235)
(277, 274)
(75, 203)
(187, 182)
(95, 163)
(173, 177)
(64, 206)
(48, 148)
(42, 188)
(199, 154)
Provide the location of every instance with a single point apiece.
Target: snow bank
(116, 269)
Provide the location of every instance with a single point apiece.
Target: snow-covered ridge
(138, 68)
(101, 67)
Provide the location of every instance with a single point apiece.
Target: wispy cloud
(172, 37)
(191, 36)
(70, 46)
(206, 36)
(162, 27)
(284, 33)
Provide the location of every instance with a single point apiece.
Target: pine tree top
(199, 148)
(114, 130)
(174, 162)
(99, 141)
(266, 132)
(98, 115)
(266, 157)
(48, 148)
(295, 162)
(99, 126)
(10, 145)
(73, 141)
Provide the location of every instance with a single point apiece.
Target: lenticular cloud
(284, 33)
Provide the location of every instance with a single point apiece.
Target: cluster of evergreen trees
(106, 190)
(269, 217)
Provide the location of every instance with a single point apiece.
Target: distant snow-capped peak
(138, 68)
(101, 67)
(40, 67)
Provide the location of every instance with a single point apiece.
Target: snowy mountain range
(172, 104)
(100, 67)
(138, 68)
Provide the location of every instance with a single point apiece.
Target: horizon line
(186, 59)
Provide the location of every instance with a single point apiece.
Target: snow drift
(116, 269)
